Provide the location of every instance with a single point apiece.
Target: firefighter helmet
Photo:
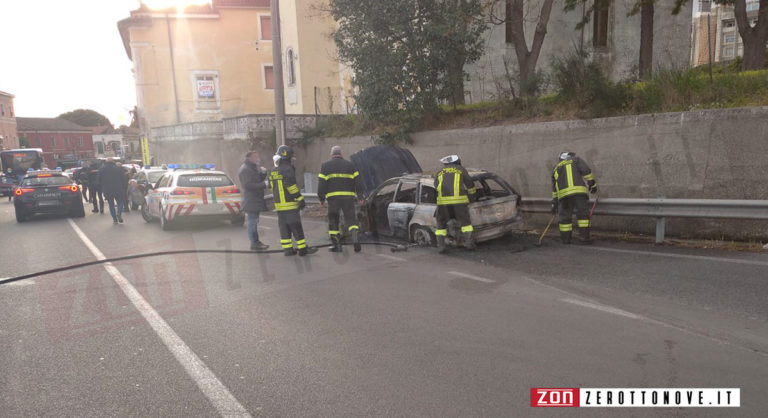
(285, 152)
(451, 159)
(566, 155)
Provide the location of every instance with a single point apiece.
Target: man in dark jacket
(339, 182)
(253, 182)
(94, 188)
(111, 178)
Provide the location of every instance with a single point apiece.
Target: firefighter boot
(584, 237)
(356, 240)
(289, 251)
(469, 242)
(440, 244)
(565, 237)
(307, 250)
(335, 244)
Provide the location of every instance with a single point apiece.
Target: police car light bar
(191, 166)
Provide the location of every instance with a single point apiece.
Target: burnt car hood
(380, 163)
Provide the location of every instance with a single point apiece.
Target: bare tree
(527, 58)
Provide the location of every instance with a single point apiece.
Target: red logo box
(554, 397)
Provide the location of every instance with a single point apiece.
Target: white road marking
(392, 257)
(691, 257)
(18, 283)
(471, 277)
(603, 308)
(208, 383)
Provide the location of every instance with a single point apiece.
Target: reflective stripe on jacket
(338, 178)
(571, 177)
(282, 182)
(453, 185)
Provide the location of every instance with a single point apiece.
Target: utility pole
(277, 72)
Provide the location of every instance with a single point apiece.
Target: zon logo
(554, 397)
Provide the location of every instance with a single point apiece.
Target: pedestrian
(82, 178)
(454, 188)
(126, 178)
(112, 177)
(570, 179)
(94, 188)
(253, 178)
(288, 203)
(339, 183)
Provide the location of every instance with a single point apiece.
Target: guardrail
(662, 208)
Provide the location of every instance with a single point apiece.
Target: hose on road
(393, 247)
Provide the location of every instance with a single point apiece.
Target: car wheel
(165, 224)
(145, 213)
(238, 220)
(422, 236)
(21, 216)
(79, 211)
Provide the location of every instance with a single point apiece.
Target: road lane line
(209, 384)
(471, 277)
(603, 308)
(691, 257)
(392, 257)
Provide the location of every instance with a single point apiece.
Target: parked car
(404, 207)
(193, 194)
(47, 191)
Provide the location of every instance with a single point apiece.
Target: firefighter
(339, 183)
(288, 202)
(572, 179)
(455, 189)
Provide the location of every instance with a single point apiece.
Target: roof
(2, 93)
(48, 124)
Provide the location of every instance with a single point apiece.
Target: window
(66, 142)
(265, 23)
(729, 25)
(2, 109)
(728, 52)
(163, 182)
(600, 28)
(53, 142)
(406, 193)
(269, 77)
(206, 87)
(289, 57)
(753, 6)
(729, 39)
(79, 141)
(100, 148)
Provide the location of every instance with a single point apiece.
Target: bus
(19, 161)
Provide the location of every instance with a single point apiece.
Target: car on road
(49, 192)
(405, 206)
(184, 195)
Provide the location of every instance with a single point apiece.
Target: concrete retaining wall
(717, 154)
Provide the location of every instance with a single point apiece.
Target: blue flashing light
(209, 166)
(147, 166)
(58, 168)
(31, 169)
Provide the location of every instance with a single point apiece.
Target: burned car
(404, 207)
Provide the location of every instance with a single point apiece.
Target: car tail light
(19, 191)
(182, 192)
(232, 191)
(73, 189)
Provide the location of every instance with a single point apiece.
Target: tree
(526, 58)
(407, 55)
(86, 117)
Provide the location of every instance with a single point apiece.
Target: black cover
(382, 162)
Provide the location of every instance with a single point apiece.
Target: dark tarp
(382, 162)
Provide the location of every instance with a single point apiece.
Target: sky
(61, 55)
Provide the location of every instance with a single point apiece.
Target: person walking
(454, 189)
(253, 178)
(94, 188)
(570, 179)
(111, 177)
(288, 203)
(339, 183)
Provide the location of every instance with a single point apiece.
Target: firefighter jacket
(282, 182)
(453, 185)
(338, 179)
(569, 176)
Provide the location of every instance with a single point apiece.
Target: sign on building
(205, 88)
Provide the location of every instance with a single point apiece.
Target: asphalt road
(370, 334)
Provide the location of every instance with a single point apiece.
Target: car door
(378, 204)
(401, 209)
(155, 196)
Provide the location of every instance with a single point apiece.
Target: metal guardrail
(661, 208)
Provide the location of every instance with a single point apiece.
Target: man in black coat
(94, 188)
(111, 178)
(252, 178)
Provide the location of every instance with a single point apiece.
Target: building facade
(611, 37)
(64, 143)
(211, 62)
(718, 25)
(9, 137)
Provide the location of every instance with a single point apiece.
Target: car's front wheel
(422, 236)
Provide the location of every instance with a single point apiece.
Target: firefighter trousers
(445, 213)
(289, 222)
(345, 206)
(578, 203)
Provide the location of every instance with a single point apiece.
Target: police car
(47, 191)
(192, 192)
